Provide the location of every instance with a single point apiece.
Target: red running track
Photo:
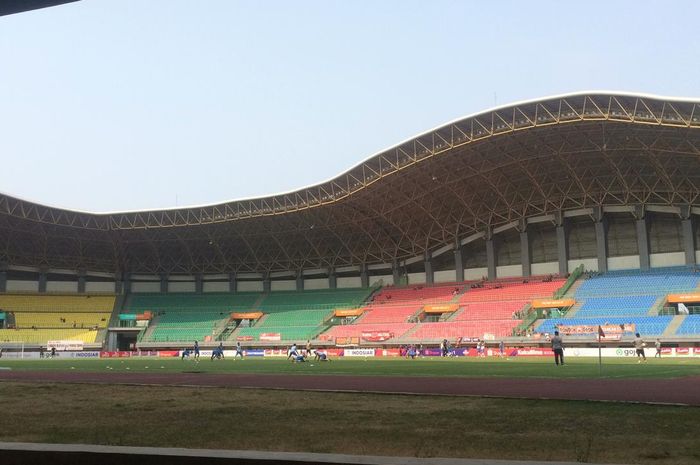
(669, 391)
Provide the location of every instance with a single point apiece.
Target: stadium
(579, 206)
(407, 310)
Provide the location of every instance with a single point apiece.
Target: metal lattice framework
(466, 177)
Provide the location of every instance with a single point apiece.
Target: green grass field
(370, 424)
(535, 367)
(357, 423)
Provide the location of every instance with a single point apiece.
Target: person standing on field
(658, 348)
(639, 347)
(558, 348)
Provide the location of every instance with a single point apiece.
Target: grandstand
(37, 319)
(300, 315)
(628, 297)
(472, 215)
(183, 317)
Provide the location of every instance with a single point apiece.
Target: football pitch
(531, 367)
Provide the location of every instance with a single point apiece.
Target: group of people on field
(297, 356)
(638, 343)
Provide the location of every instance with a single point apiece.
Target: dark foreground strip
(679, 391)
(20, 453)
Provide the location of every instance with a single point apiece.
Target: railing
(529, 319)
(694, 310)
(569, 282)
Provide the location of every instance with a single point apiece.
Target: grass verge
(226, 418)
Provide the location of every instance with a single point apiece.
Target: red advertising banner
(244, 338)
(376, 336)
(270, 337)
(120, 354)
(168, 353)
(387, 353)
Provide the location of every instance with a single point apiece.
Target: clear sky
(131, 104)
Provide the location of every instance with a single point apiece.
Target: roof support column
(198, 283)
(525, 249)
(42, 280)
(300, 281)
(429, 273)
(688, 228)
(562, 245)
(601, 238)
(642, 237)
(364, 276)
(232, 283)
(3, 277)
(459, 262)
(81, 282)
(332, 279)
(164, 283)
(266, 282)
(122, 284)
(396, 273)
(490, 256)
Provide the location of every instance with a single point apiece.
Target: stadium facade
(605, 180)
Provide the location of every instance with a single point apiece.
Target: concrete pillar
(601, 238)
(164, 283)
(81, 281)
(126, 283)
(332, 279)
(562, 249)
(266, 282)
(491, 258)
(198, 283)
(397, 275)
(300, 281)
(525, 253)
(688, 240)
(429, 273)
(111, 341)
(364, 276)
(3, 281)
(643, 243)
(232, 286)
(459, 262)
(42, 281)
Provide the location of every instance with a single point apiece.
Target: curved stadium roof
(468, 176)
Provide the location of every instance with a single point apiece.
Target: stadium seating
(300, 315)
(504, 290)
(490, 310)
(690, 326)
(627, 297)
(188, 317)
(356, 330)
(39, 318)
(657, 282)
(397, 305)
(41, 336)
(645, 325)
(391, 313)
(633, 305)
(468, 329)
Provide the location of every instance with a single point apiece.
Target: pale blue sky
(127, 104)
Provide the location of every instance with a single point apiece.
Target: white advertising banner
(358, 353)
(65, 345)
